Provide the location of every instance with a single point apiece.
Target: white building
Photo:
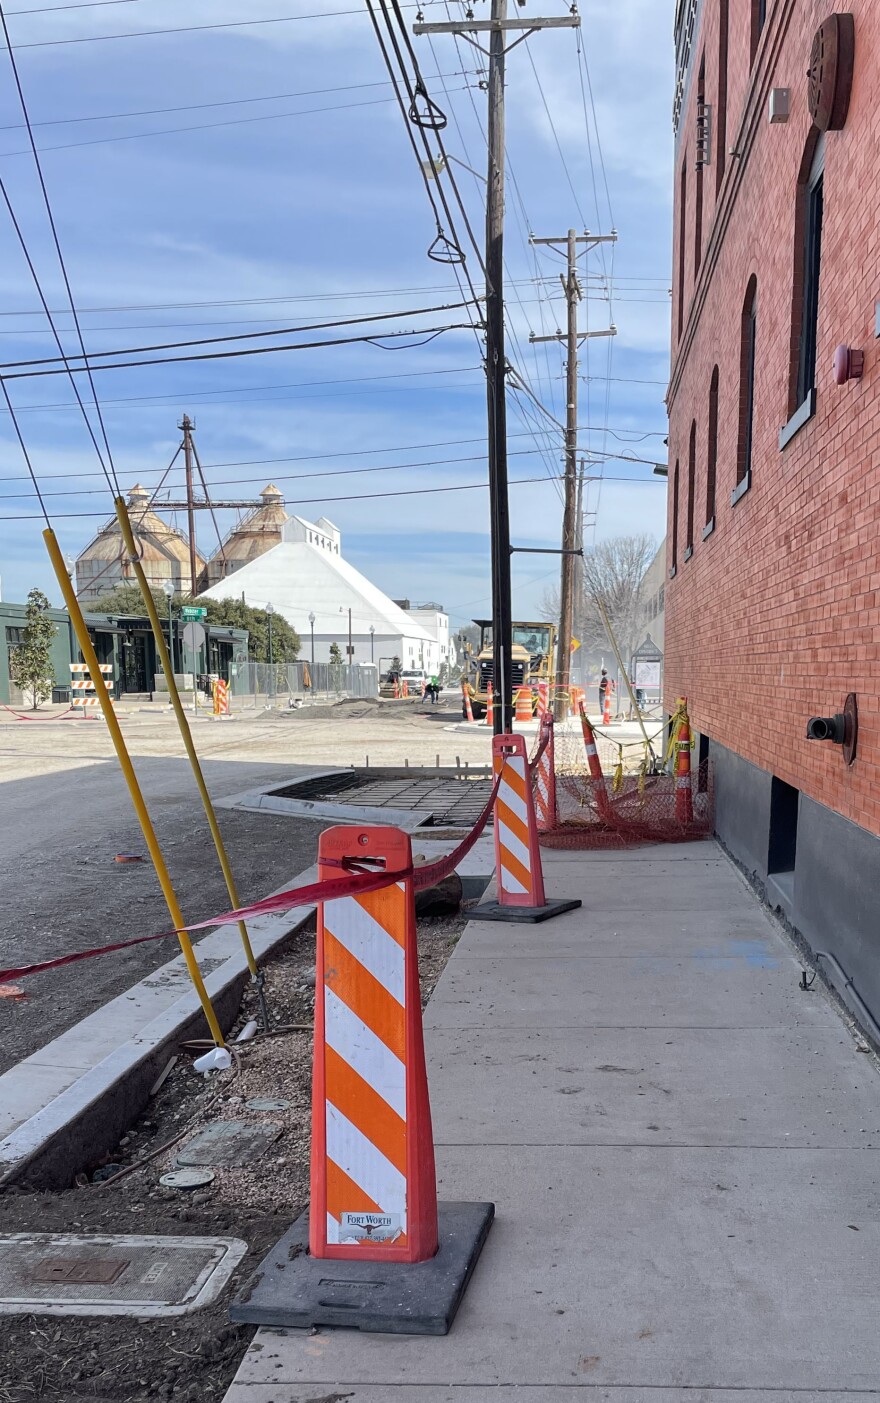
(434, 621)
(307, 576)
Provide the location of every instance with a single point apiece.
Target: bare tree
(613, 573)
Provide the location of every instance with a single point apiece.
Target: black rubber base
(293, 1290)
(521, 915)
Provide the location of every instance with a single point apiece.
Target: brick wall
(776, 616)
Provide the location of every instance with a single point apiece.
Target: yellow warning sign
(575, 644)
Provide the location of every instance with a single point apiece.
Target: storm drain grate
(71, 1274)
(443, 800)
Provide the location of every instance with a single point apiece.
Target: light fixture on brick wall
(780, 105)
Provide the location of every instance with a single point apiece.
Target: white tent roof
(307, 574)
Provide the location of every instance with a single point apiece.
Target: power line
(244, 336)
(185, 29)
(428, 334)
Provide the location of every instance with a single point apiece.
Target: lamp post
(70, 566)
(168, 591)
(372, 637)
(312, 627)
(270, 610)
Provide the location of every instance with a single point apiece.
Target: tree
(31, 660)
(612, 573)
(126, 600)
(335, 653)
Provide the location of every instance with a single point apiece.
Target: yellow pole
(134, 789)
(183, 723)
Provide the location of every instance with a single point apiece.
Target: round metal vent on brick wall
(830, 74)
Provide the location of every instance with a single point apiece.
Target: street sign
(575, 644)
(647, 675)
(193, 611)
(194, 637)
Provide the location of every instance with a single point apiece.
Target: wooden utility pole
(570, 528)
(497, 26)
(186, 425)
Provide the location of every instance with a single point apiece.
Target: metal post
(312, 627)
(187, 427)
(269, 612)
(372, 641)
(502, 640)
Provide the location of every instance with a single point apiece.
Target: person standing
(604, 684)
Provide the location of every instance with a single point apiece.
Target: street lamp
(70, 567)
(312, 627)
(372, 636)
(270, 610)
(168, 590)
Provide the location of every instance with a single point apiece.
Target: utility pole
(570, 529)
(497, 27)
(187, 426)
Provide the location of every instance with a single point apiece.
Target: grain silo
(164, 553)
(258, 532)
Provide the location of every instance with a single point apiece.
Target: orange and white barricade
(220, 691)
(600, 792)
(82, 688)
(374, 1250)
(466, 702)
(543, 700)
(396, 691)
(490, 705)
(518, 871)
(684, 799)
(405, 692)
(523, 704)
(545, 778)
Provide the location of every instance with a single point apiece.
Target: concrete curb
(69, 1103)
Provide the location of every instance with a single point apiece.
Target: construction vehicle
(533, 661)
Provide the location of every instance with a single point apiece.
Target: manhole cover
(230, 1143)
(267, 1103)
(70, 1274)
(187, 1178)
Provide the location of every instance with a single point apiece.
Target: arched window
(692, 483)
(711, 455)
(674, 553)
(805, 296)
(747, 354)
(682, 244)
(759, 17)
(721, 104)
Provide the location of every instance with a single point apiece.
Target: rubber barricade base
(519, 915)
(293, 1290)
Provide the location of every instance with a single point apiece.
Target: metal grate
(71, 1274)
(443, 801)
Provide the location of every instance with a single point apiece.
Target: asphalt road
(63, 819)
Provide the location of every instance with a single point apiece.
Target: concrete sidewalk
(682, 1147)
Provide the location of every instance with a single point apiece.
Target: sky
(230, 178)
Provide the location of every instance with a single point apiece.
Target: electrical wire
(186, 29)
(244, 336)
(430, 335)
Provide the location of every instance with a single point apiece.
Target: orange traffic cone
(600, 792)
(545, 778)
(518, 870)
(466, 698)
(374, 1212)
(490, 705)
(606, 713)
(523, 704)
(684, 799)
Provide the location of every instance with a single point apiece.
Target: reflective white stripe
(366, 1054)
(591, 752)
(683, 782)
(515, 845)
(332, 1229)
(513, 801)
(368, 942)
(365, 1165)
(510, 883)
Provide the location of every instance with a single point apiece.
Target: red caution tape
(357, 882)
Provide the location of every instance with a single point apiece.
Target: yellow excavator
(533, 661)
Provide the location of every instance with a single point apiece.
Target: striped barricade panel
(373, 1183)
(545, 780)
(518, 859)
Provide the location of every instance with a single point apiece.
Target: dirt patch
(189, 1359)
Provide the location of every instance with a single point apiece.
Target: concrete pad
(650, 991)
(642, 1268)
(662, 887)
(763, 1087)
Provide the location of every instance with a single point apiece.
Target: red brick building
(773, 595)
